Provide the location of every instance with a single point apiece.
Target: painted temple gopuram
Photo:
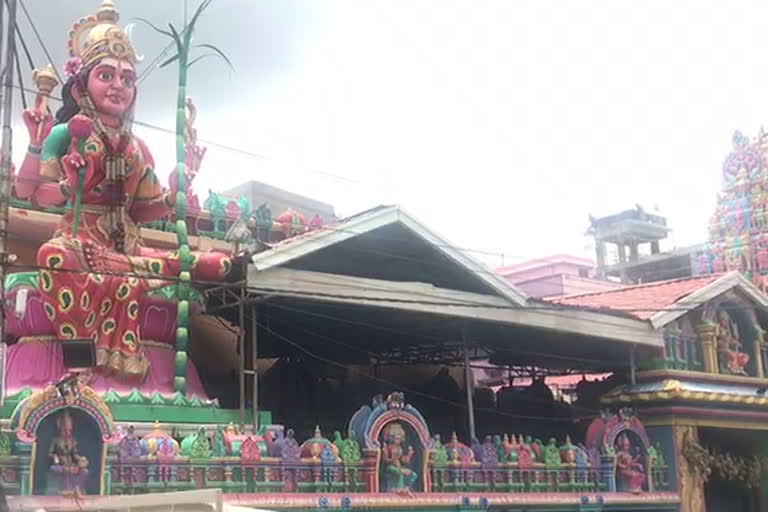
(156, 347)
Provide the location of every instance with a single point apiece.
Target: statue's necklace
(114, 171)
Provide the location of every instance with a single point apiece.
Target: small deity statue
(87, 156)
(718, 264)
(395, 458)
(568, 451)
(67, 464)
(497, 444)
(628, 468)
(761, 258)
(440, 453)
(729, 346)
(130, 445)
(551, 453)
(350, 452)
(526, 455)
(338, 441)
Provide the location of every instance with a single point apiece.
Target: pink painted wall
(554, 276)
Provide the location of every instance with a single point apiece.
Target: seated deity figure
(398, 477)
(67, 465)
(729, 346)
(95, 270)
(629, 471)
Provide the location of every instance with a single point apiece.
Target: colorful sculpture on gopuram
(738, 231)
(95, 272)
(738, 235)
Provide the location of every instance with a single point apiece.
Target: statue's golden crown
(98, 36)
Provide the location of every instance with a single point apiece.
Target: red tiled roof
(639, 301)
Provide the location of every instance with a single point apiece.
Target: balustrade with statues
(388, 448)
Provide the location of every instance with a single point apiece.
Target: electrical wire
(398, 332)
(358, 349)
(254, 287)
(398, 387)
(24, 46)
(40, 40)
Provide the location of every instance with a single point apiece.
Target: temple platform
(660, 501)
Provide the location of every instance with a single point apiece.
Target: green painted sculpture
(551, 453)
(219, 447)
(350, 451)
(440, 457)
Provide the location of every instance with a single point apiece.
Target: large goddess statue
(95, 270)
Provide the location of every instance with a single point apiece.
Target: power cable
(231, 149)
(21, 80)
(373, 355)
(24, 46)
(436, 339)
(40, 40)
(412, 391)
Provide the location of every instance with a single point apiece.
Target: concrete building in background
(280, 200)
(554, 276)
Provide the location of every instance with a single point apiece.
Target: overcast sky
(501, 124)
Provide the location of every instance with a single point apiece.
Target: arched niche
(736, 316)
(34, 421)
(90, 445)
(372, 424)
(605, 437)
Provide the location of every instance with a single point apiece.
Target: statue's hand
(71, 163)
(38, 125)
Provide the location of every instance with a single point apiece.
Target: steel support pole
(632, 378)
(5, 169)
(254, 362)
(241, 348)
(468, 385)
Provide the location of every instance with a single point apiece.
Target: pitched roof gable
(367, 221)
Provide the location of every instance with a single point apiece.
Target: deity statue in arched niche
(630, 472)
(69, 467)
(396, 458)
(729, 346)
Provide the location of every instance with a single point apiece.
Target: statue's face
(66, 426)
(112, 86)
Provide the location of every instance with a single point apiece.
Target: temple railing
(14, 474)
(509, 478)
(234, 475)
(681, 352)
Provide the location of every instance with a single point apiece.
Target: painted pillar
(707, 338)
(758, 355)
(691, 482)
(764, 474)
(663, 440)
